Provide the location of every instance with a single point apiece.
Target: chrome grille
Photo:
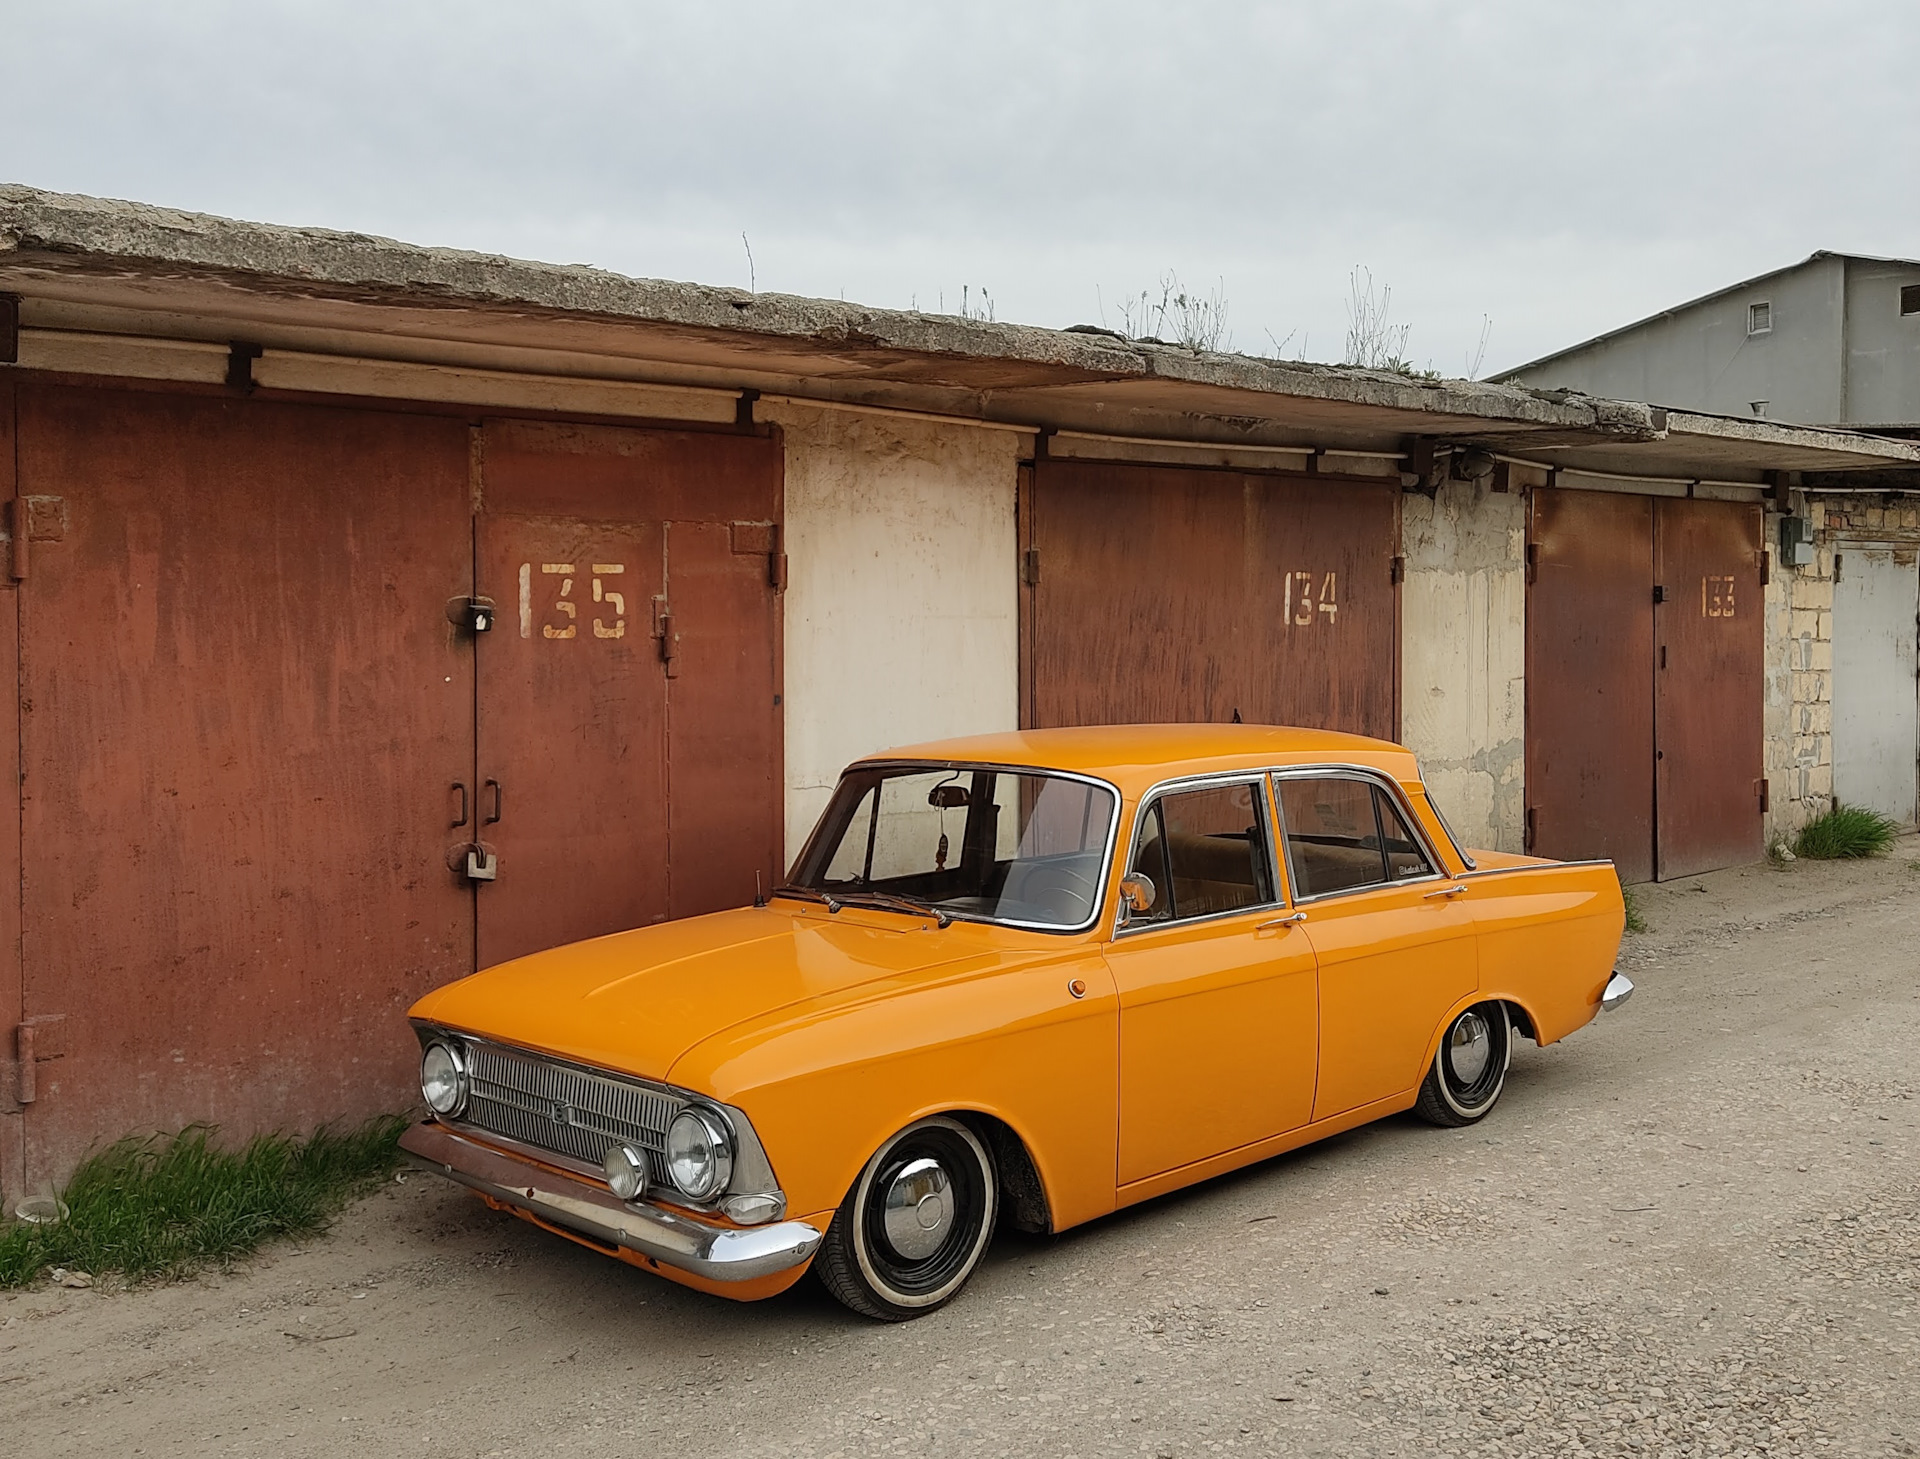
(565, 1110)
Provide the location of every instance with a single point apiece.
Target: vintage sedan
(1025, 978)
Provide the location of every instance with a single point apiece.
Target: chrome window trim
(1106, 855)
(1393, 788)
(1446, 827)
(1205, 780)
(1533, 866)
(752, 1171)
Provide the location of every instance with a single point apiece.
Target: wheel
(1469, 1068)
(915, 1224)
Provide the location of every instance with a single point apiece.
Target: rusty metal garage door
(1590, 656)
(1709, 717)
(242, 706)
(628, 765)
(1644, 682)
(1169, 594)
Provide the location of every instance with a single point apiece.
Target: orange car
(1023, 978)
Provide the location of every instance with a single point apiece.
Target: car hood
(635, 1001)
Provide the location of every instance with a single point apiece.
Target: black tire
(861, 1260)
(1479, 1042)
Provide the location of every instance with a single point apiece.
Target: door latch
(482, 864)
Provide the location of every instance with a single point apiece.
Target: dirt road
(1693, 1228)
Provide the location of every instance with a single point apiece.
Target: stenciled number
(1303, 609)
(565, 605)
(1716, 597)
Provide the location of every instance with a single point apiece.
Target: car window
(1405, 859)
(1205, 851)
(972, 841)
(1333, 841)
(1346, 833)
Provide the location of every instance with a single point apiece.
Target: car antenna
(759, 897)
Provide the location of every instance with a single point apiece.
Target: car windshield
(1022, 847)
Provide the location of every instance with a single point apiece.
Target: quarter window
(1344, 834)
(1205, 851)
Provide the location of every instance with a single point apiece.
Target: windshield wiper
(895, 902)
(808, 894)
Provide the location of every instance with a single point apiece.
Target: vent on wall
(1910, 298)
(1760, 318)
(1759, 407)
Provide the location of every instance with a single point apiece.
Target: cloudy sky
(1554, 168)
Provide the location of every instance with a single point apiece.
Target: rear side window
(1205, 851)
(1344, 834)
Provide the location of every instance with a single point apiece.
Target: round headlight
(699, 1154)
(443, 1079)
(626, 1170)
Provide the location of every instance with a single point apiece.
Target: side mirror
(1137, 894)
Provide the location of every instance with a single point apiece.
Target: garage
(1644, 681)
(1159, 594)
(1876, 732)
(323, 706)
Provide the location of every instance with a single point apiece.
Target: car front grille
(568, 1111)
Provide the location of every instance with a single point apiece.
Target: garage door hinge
(1526, 842)
(1763, 788)
(1030, 567)
(35, 1041)
(9, 329)
(1533, 561)
(1766, 567)
(1659, 593)
(1398, 572)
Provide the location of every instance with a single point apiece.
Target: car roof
(1134, 756)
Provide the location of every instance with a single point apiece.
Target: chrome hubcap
(919, 1209)
(1469, 1047)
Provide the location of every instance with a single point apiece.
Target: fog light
(626, 1170)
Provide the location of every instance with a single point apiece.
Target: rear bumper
(718, 1253)
(1618, 990)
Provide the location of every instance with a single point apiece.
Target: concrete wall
(1701, 357)
(1463, 651)
(1883, 345)
(902, 602)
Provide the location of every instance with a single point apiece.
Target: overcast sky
(1556, 168)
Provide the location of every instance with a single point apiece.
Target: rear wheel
(915, 1224)
(1469, 1068)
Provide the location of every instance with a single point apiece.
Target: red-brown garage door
(256, 744)
(1644, 682)
(1159, 594)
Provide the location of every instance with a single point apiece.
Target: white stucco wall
(902, 600)
(1463, 648)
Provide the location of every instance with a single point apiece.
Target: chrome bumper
(1618, 990)
(718, 1253)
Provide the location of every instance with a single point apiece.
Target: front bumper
(718, 1253)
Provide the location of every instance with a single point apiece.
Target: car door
(1217, 1005)
(1395, 949)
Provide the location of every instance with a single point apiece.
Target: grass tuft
(1636, 919)
(165, 1205)
(1844, 833)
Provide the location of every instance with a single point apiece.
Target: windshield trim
(1106, 855)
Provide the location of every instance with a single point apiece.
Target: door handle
(494, 786)
(1453, 891)
(1287, 921)
(464, 808)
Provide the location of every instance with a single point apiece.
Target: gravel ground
(1693, 1228)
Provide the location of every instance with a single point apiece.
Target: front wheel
(915, 1224)
(1469, 1068)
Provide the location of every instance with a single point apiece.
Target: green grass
(1846, 832)
(1636, 919)
(164, 1206)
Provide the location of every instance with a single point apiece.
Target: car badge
(562, 1112)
